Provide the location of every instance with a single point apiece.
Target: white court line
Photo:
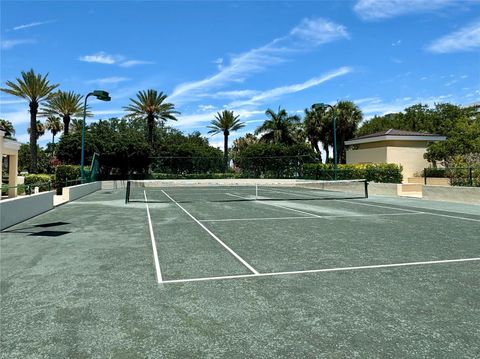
(277, 205)
(239, 276)
(309, 217)
(214, 236)
(401, 209)
(154, 246)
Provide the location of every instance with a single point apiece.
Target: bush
(378, 172)
(66, 175)
(43, 181)
(164, 176)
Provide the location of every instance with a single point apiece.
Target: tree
(318, 128)
(149, 106)
(7, 126)
(54, 125)
(348, 117)
(76, 126)
(67, 105)
(39, 130)
(225, 122)
(36, 89)
(279, 128)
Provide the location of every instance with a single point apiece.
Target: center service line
(253, 270)
(154, 246)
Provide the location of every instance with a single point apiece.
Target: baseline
(340, 269)
(154, 246)
(245, 263)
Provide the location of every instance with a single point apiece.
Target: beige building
(9, 154)
(392, 146)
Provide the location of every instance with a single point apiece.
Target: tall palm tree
(35, 88)
(7, 126)
(67, 105)
(76, 126)
(54, 125)
(150, 106)
(319, 128)
(348, 117)
(39, 130)
(279, 128)
(225, 122)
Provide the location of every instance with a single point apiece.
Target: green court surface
(293, 278)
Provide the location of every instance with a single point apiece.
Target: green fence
(458, 176)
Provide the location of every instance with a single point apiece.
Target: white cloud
(32, 24)
(382, 9)
(219, 62)
(284, 90)
(8, 44)
(100, 58)
(17, 117)
(108, 80)
(205, 108)
(465, 39)
(202, 119)
(307, 35)
(396, 43)
(130, 63)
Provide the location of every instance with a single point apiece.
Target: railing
(458, 176)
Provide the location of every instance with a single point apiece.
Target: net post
(127, 193)
(471, 176)
(256, 191)
(366, 188)
(425, 176)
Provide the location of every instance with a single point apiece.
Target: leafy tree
(150, 106)
(7, 126)
(225, 122)
(348, 117)
(318, 128)
(25, 159)
(39, 130)
(242, 143)
(54, 125)
(76, 126)
(67, 105)
(36, 89)
(279, 127)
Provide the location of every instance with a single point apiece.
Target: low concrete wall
(452, 194)
(118, 184)
(75, 192)
(382, 189)
(431, 181)
(19, 209)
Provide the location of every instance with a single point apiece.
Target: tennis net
(161, 191)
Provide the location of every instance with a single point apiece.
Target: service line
(154, 246)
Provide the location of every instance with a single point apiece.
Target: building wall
(411, 159)
(367, 155)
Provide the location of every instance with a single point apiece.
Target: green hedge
(378, 172)
(66, 175)
(44, 182)
(164, 176)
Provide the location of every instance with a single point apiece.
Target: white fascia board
(396, 138)
(11, 144)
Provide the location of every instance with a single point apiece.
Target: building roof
(392, 134)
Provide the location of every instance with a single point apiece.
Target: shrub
(164, 176)
(66, 175)
(43, 181)
(377, 172)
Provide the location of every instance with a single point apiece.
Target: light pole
(324, 106)
(103, 96)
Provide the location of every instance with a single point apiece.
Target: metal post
(82, 161)
(335, 159)
(425, 176)
(127, 195)
(471, 176)
(366, 189)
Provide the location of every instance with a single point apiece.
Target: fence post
(425, 176)
(471, 176)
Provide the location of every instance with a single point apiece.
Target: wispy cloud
(108, 80)
(382, 9)
(465, 39)
(309, 34)
(106, 59)
(285, 90)
(8, 44)
(33, 24)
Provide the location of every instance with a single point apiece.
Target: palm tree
(76, 126)
(7, 126)
(150, 106)
(225, 122)
(39, 130)
(67, 105)
(319, 128)
(54, 125)
(35, 88)
(279, 128)
(348, 117)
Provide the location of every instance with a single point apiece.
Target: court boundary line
(308, 217)
(309, 271)
(232, 252)
(154, 245)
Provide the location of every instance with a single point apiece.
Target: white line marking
(309, 217)
(213, 236)
(277, 205)
(154, 246)
(401, 209)
(322, 270)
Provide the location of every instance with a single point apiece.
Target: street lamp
(324, 106)
(102, 96)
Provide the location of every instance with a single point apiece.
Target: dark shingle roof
(392, 132)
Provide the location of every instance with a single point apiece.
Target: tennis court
(243, 271)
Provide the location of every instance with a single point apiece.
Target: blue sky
(246, 56)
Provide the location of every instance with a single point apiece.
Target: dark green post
(425, 176)
(471, 176)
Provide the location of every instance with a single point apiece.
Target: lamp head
(101, 95)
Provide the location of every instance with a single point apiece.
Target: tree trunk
(225, 149)
(150, 125)
(66, 124)
(319, 153)
(33, 136)
(327, 152)
(53, 138)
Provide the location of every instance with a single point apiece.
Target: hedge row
(380, 172)
(165, 176)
